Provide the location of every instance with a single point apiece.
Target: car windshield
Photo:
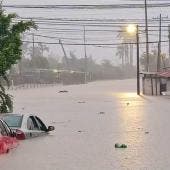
(13, 120)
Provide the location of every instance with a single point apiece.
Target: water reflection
(132, 130)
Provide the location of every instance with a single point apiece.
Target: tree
(153, 57)
(120, 52)
(53, 63)
(34, 60)
(10, 52)
(39, 62)
(38, 50)
(125, 51)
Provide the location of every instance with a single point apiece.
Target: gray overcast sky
(96, 52)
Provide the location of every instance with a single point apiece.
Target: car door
(5, 139)
(32, 128)
(12, 141)
(42, 128)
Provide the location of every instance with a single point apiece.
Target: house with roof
(155, 83)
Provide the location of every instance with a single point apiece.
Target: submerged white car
(26, 125)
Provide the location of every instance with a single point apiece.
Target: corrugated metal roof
(164, 74)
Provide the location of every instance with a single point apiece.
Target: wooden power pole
(147, 36)
(169, 39)
(85, 55)
(33, 46)
(159, 45)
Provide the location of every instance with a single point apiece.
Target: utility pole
(65, 55)
(20, 61)
(33, 45)
(159, 45)
(169, 39)
(85, 55)
(42, 49)
(147, 37)
(131, 54)
(138, 69)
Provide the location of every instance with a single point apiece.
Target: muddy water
(84, 138)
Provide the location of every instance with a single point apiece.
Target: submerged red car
(8, 140)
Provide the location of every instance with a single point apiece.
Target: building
(155, 83)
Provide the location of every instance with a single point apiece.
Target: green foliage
(53, 63)
(37, 51)
(10, 52)
(39, 62)
(125, 51)
(6, 103)
(153, 58)
(100, 71)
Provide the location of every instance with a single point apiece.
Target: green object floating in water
(117, 145)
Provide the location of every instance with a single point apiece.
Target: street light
(132, 30)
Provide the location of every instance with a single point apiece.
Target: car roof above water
(16, 114)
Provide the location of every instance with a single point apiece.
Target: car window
(3, 130)
(41, 124)
(13, 120)
(32, 124)
(7, 129)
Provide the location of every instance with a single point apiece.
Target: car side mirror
(51, 128)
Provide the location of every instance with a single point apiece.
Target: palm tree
(121, 53)
(127, 48)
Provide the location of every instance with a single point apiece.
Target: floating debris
(81, 102)
(117, 145)
(146, 132)
(63, 91)
(108, 101)
(61, 122)
(128, 104)
(101, 113)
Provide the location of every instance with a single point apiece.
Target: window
(9, 132)
(3, 130)
(32, 124)
(13, 120)
(41, 124)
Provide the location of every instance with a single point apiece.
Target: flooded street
(89, 120)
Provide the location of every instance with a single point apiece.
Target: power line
(93, 44)
(95, 24)
(71, 38)
(75, 31)
(88, 19)
(100, 7)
